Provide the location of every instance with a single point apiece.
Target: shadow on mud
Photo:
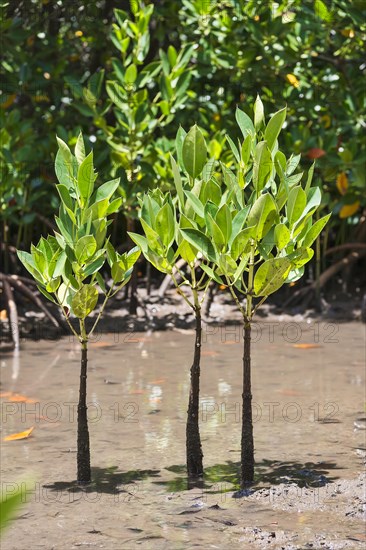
(106, 480)
(225, 477)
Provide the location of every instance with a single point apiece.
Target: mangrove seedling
(67, 265)
(165, 246)
(261, 231)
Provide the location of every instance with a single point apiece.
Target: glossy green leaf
(271, 275)
(262, 215)
(300, 257)
(282, 236)
(258, 113)
(274, 127)
(196, 203)
(85, 248)
(315, 231)
(177, 181)
(201, 242)
(106, 190)
(86, 177)
(245, 123)
(84, 301)
(263, 165)
(296, 204)
(165, 225)
(211, 273)
(80, 149)
(194, 152)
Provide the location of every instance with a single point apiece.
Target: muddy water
(308, 391)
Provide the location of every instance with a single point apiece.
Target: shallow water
(308, 390)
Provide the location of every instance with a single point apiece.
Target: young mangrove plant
(258, 234)
(165, 246)
(67, 265)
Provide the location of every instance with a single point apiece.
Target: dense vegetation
(129, 78)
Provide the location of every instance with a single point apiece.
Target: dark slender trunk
(247, 444)
(193, 440)
(83, 455)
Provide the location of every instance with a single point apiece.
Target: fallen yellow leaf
(306, 346)
(20, 435)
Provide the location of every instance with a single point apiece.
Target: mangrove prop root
(308, 292)
(18, 284)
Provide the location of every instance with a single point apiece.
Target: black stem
(193, 440)
(83, 454)
(247, 443)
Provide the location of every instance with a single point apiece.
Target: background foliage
(61, 62)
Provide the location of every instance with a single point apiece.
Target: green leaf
(86, 177)
(10, 504)
(300, 257)
(233, 147)
(194, 152)
(94, 266)
(187, 252)
(282, 236)
(263, 165)
(165, 225)
(211, 273)
(177, 181)
(80, 149)
(310, 178)
(46, 294)
(200, 242)
(196, 203)
(66, 170)
(84, 301)
(240, 242)
(29, 263)
(239, 221)
(262, 215)
(101, 282)
(215, 232)
(245, 123)
(246, 149)
(64, 193)
(53, 284)
(153, 238)
(296, 204)
(321, 10)
(131, 74)
(85, 248)
(179, 140)
(114, 206)
(227, 265)
(131, 257)
(223, 220)
(315, 231)
(271, 275)
(274, 127)
(258, 113)
(106, 190)
(140, 240)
